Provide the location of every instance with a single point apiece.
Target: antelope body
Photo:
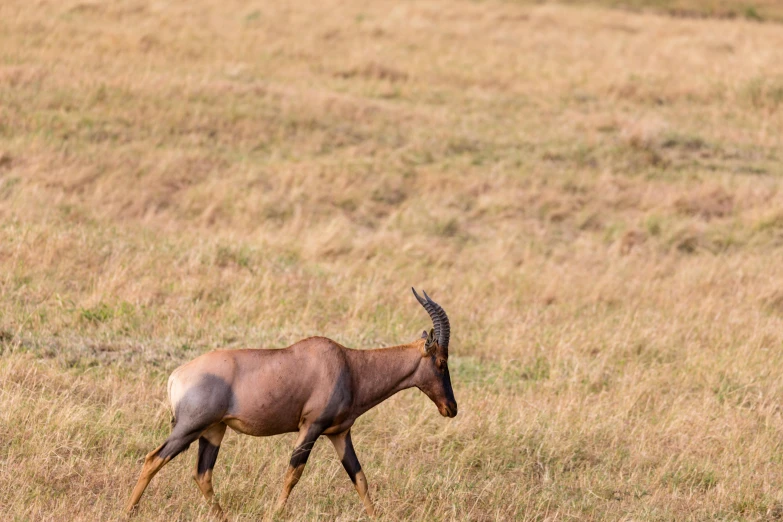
(314, 387)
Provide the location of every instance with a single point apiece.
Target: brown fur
(316, 387)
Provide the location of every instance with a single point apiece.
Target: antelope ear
(424, 334)
(429, 343)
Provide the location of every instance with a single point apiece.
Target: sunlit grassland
(754, 10)
(593, 195)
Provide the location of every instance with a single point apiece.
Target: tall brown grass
(593, 195)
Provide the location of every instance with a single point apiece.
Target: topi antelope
(314, 387)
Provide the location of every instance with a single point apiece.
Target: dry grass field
(594, 194)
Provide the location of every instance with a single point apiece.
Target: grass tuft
(592, 191)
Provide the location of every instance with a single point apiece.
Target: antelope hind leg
(155, 460)
(180, 439)
(152, 464)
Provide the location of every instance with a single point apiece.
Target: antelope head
(433, 371)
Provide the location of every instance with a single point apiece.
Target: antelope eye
(441, 364)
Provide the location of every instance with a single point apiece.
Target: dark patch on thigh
(202, 405)
(207, 455)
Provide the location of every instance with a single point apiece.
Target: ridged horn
(440, 320)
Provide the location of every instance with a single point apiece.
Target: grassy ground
(756, 10)
(594, 196)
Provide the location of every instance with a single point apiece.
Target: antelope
(314, 387)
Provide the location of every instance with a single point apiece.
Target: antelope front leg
(344, 447)
(304, 445)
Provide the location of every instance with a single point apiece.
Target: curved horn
(440, 320)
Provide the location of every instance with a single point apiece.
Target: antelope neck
(378, 374)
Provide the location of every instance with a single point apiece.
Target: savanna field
(594, 193)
